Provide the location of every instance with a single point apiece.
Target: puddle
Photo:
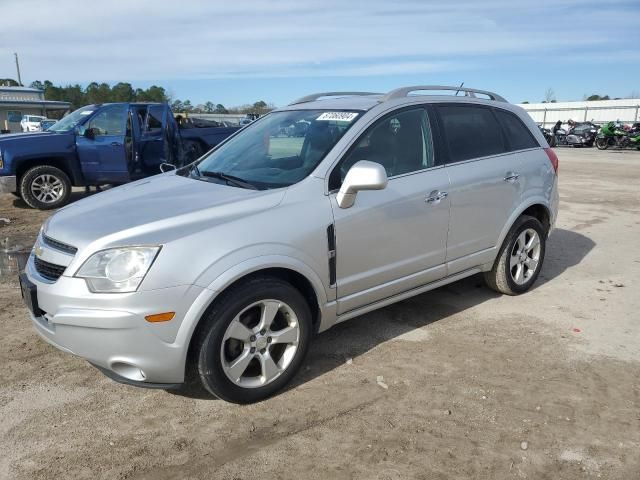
(14, 252)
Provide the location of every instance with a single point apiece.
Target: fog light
(129, 371)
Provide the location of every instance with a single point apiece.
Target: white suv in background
(31, 123)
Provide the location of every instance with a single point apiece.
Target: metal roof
(19, 89)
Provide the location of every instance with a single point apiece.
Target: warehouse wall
(600, 111)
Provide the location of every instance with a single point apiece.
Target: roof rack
(470, 92)
(316, 96)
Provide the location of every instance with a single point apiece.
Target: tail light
(553, 158)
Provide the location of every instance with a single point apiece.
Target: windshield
(73, 119)
(278, 150)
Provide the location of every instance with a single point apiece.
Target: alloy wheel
(47, 188)
(525, 256)
(260, 343)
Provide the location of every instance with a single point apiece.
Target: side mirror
(167, 167)
(363, 175)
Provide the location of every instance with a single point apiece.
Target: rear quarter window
(470, 132)
(518, 135)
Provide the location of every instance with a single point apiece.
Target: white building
(18, 101)
(598, 111)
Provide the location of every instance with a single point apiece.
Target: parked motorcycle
(547, 134)
(613, 134)
(578, 135)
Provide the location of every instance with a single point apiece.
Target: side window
(518, 135)
(109, 121)
(154, 118)
(470, 132)
(400, 142)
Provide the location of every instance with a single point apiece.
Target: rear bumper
(8, 184)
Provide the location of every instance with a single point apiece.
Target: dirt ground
(475, 385)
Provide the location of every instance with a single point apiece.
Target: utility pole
(18, 69)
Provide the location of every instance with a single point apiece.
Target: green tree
(209, 107)
(177, 106)
(123, 92)
(98, 93)
(597, 97)
(152, 94)
(187, 107)
(220, 109)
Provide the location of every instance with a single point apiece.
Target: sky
(237, 52)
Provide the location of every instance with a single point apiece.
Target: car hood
(12, 137)
(25, 145)
(154, 211)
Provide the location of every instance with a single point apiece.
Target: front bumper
(8, 184)
(110, 330)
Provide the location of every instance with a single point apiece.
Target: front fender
(226, 278)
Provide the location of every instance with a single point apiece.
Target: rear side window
(518, 135)
(470, 132)
(154, 117)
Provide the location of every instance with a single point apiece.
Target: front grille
(50, 271)
(63, 247)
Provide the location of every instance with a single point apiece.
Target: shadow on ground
(355, 337)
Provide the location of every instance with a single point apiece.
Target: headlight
(117, 270)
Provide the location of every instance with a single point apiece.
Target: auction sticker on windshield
(337, 116)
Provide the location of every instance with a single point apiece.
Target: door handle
(435, 197)
(116, 144)
(511, 177)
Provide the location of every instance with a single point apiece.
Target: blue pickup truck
(97, 145)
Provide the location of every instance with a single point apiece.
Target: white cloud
(72, 41)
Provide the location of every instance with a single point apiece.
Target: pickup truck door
(153, 146)
(103, 156)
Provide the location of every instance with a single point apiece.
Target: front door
(392, 240)
(103, 157)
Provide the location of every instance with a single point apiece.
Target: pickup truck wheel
(253, 340)
(520, 258)
(45, 187)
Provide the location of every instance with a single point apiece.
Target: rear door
(485, 182)
(153, 141)
(103, 158)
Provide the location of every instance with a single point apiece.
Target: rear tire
(253, 341)
(45, 187)
(520, 259)
(602, 143)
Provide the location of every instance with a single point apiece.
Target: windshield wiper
(230, 179)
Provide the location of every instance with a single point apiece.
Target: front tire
(45, 187)
(520, 259)
(253, 340)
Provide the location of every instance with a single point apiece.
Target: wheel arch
(300, 276)
(538, 208)
(60, 162)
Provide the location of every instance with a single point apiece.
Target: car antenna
(459, 90)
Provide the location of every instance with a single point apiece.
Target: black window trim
(506, 137)
(374, 122)
(443, 135)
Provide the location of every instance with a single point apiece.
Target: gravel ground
(474, 385)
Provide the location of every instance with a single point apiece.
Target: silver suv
(336, 205)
